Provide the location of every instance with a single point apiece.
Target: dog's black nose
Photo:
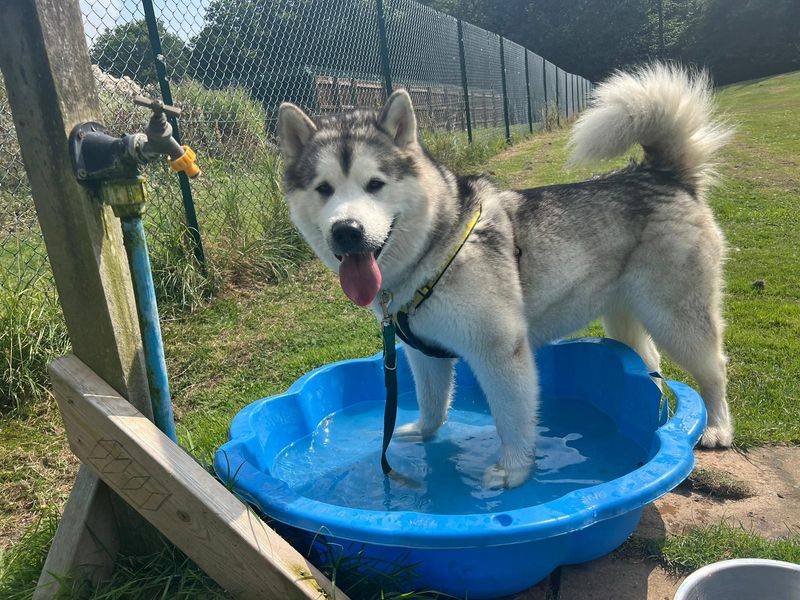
(348, 236)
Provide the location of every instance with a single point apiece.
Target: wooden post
(50, 88)
(172, 491)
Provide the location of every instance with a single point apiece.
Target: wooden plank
(50, 87)
(172, 491)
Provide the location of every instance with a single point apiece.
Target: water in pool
(339, 463)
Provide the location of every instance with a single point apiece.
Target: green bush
(453, 150)
(246, 229)
(224, 124)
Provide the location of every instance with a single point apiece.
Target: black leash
(392, 324)
(389, 378)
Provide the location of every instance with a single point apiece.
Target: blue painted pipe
(139, 262)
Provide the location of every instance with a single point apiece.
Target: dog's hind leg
(433, 379)
(621, 325)
(689, 330)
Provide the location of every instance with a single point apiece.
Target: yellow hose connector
(186, 163)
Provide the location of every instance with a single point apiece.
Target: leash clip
(386, 300)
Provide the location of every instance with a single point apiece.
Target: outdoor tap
(158, 138)
(99, 156)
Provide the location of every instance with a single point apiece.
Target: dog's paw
(717, 436)
(497, 477)
(413, 432)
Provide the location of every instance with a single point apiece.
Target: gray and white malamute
(638, 247)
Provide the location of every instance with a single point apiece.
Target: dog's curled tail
(665, 108)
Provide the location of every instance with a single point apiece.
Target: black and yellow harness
(397, 323)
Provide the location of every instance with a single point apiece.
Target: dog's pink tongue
(360, 277)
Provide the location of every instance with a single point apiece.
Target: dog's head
(354, 190)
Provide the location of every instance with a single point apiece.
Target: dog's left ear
(398, 119)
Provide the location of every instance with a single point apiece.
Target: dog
(638, 247)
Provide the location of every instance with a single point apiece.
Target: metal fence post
(387, 69)
(558, 99)
(463, 60)
(528, 89)
(505, 90)
(166, 94)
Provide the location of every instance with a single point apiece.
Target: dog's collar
(400, 317)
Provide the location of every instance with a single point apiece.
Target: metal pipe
(384, 47)
(528, 88)
(183, 180)
(147, 310)
(505, 91)
(464, 83)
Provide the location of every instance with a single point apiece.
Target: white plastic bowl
(743, 579)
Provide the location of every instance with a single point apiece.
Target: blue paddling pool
(310, 459)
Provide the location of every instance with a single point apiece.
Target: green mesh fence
(551, 89)
(536, 88)
(229, 64)
(563, 99)
(424, 59)
(484, 80)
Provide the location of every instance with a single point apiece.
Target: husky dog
(638, 247)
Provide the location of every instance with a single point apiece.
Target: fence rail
(229, 63)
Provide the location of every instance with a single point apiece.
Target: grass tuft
(21, 566)
(32, 332)
(453, 149)
(700, 546)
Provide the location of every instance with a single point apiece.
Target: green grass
(256, 338)
(699, 546)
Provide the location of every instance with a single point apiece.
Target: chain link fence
(228, 64)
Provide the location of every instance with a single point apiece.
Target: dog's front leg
(433, 378)
(507, 374)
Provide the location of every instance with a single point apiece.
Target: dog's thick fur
(638, 246)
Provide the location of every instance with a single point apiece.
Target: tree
(125, 51)
(745, 39)
(588, 37)
(735, 39)
(274, 49)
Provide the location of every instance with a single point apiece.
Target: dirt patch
(758, 490)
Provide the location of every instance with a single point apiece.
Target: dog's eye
(375, 185)
(325, 189)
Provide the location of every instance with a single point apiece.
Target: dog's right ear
(398, 120)
(294, 130)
